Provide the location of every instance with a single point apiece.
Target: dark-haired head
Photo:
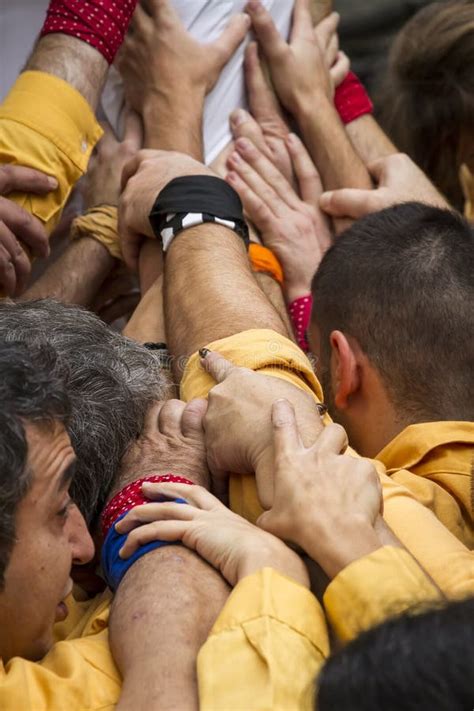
(417, 662)
(427, 104)
(31, 391)
(394, 304)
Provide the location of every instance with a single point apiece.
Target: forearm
(76, 276)
(210, 291)
(330, 146)
(370, 142)
(72, 60)
(174, 124)
(147, 323)
(161, 616)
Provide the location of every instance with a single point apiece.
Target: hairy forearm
(72, 60)
(76, 276)
(174, 124)
(330, 147)
(210, 291)
(161, 616)
(370, 142)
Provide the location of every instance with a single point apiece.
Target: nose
(79, 537)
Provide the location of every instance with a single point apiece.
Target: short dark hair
(31, 390)
(416, 662)
(111, 381)
(427, 103)
(401, 283)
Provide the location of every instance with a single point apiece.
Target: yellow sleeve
(266, 648)
(78, 674)
(266, 352)
(47, 125)
(386, 583)
(448, 562)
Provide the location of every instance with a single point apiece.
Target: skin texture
(51, 536)
(76, 276)
(72, 60)
(171, 592)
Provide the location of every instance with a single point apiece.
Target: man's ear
(344, 371)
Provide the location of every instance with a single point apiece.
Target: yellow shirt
(435, 461)
(444, 557)
(271, 639)
(78, 674)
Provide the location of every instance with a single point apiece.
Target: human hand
(18, 228)
(160, 58)
(294, 228)
(239, 437)
(398, 180)
(298, 68)
(172, 441)
(228, 542)
(143, 179)
(325, 501)
(265, 126)
(102, 182)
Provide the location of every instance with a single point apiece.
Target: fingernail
(292, 139)
(204, 352)
(246, 19)
(235, 158)
(52, 182)
(231, 177)
(242, 144)
(238, 117)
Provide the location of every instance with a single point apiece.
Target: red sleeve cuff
(352, 100)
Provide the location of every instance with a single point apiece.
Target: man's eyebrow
(67, 476)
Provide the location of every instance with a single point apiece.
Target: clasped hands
(315, 496)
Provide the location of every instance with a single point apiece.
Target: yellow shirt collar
(412, 445)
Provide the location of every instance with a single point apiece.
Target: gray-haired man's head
(111, 383)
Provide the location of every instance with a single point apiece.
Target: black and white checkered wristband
(189, 201)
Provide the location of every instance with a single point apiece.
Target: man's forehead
(49, 450)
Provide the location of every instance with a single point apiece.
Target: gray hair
(31, 390)
(111, 382)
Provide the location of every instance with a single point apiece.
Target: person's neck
(372, 423)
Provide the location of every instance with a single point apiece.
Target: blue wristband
(113, 566)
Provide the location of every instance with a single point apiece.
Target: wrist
(307, 107)
(296, 290)
(335, 544)
(174, 122)
(276, 556)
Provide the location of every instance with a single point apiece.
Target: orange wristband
(262, 259)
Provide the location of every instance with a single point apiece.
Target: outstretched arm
(304, 86)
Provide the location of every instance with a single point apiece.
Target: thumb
(349, 202)
(192, 417)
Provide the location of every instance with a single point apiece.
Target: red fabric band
(300, 313)
(132, 496)
(351, 99)
(101, 23)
